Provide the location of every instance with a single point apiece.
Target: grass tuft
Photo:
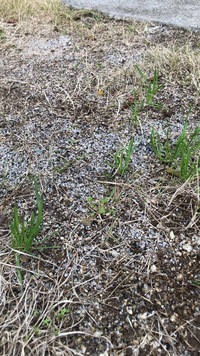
(182, 156)
(18, 10)
(122, 159)
(24, 232)
(181, 65)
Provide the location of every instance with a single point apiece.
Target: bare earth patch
(124, 281)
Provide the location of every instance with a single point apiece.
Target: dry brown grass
(178, 64)
(31, 319)
(20, 10)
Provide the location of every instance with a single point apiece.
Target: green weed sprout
(151, 87)
(62, 313)
(136, 107)
(24, 232)
(101, 207)
(179, 155)
(122, 159)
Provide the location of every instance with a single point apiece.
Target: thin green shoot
(122, 159)
(151, 87)
(196, 283)
(143, 76)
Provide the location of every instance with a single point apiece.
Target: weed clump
(25, 231)
(122, 159)
(181, 156)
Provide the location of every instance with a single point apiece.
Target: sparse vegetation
(151, 87)
(142, 99)
(102, 207)
(24, 231)
(125, 276)
(19, 10)
(182, 156)
(122, 158)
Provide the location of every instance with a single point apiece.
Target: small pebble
(179, 277)
(143, 316)
(187, 247)
(173, 318)
(153, 269)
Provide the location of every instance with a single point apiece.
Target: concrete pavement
(181, 13)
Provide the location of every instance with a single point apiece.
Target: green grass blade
(35, 223)
(16, 221)
(156, 144)
(140, 72)
(129, 153)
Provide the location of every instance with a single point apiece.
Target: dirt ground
(124, 276)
